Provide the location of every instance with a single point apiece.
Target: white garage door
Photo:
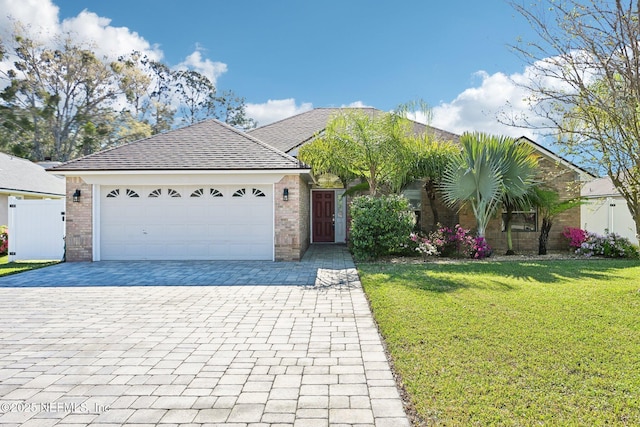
(186, 223)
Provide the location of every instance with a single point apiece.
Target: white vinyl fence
(36, 229)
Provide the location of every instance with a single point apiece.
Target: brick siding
(292, 219)
(79, 237)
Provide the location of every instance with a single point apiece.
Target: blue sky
(287, 56)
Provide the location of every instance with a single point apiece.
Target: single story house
(203, 192)
(209, 191)
(606, 210)
(24, 179)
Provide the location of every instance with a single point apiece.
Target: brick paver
(302, 352)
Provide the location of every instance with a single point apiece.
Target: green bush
(379, 225)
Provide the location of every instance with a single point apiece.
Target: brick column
(79, 221)
(291, 219)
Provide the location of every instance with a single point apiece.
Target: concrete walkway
(103, 344)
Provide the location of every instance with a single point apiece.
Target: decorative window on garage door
(198, 193)
(156, 193)
(173, 193)
(254, 191)
(215, 193)
(114, 193)
(131, 193)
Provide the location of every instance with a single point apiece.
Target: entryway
(328, 216)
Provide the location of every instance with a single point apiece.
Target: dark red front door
(323, 220)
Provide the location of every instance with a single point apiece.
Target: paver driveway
(296, 345)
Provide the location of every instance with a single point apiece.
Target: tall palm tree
(488, 171)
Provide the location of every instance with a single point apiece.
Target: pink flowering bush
(576, 236)
(450, 242)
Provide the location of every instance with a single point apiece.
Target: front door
(323, 216)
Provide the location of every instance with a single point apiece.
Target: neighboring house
(205, 191)
(606, 210)
(24, 179)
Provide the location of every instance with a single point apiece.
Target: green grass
(7, 268)
(513, 343)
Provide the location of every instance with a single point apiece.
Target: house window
(131, 193)
(215, 193)
(258, 193)
(198, 193)
(156, 193)
(522, 221)
(413, 192)
(173, 193)
(240, 193)
(114, 193)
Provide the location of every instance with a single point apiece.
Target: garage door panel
(204, 227)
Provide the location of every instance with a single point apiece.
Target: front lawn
(7, 268)
(513, 343)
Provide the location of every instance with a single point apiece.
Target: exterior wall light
(285, 194)
(76, 195)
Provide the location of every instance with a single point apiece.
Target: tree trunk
(430, 189)
(544, 235)
(507, 227)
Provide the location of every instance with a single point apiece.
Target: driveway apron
(197, 343)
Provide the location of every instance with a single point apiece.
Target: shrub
(576, 236)
(447, 242)
(611, 245)
(4, 240)
(379, 225)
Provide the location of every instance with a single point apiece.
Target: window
(215, 193)
(156, 193)
(198, 193)
(240, 193)
(131, 193)
(114, 193)
(173, 193)
(258, 193)
(522, 221)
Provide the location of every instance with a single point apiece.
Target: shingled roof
(290, 133)
(207, 145)
(22, 176)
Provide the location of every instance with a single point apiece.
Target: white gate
(36, 229)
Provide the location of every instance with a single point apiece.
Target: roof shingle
(207, 145)
(292, 132)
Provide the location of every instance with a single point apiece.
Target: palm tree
(488, 170)
(548, 202)
(519, 172)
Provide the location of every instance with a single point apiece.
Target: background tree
(62, 101)
(483, 173)
(587, 61)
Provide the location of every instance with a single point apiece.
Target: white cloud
(204, 66)
(276, 109)
(105, 39)
(39, 16)
(478, 108)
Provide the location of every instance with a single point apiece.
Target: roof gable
(207, 145)
(22, 176)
